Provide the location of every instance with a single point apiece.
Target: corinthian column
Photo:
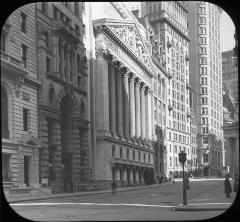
(142, 98)
(112, 96)
(68, 65)
(119, 93)
(132, 106)
(55, 55)
(102, 91)
(125, 102)
(137, 108)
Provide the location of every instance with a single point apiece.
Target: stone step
(8, 185)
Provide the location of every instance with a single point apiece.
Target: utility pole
(182, 159)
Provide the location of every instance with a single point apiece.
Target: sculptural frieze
(130, 36)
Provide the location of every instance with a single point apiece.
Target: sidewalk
(50, 196)
(200, 207)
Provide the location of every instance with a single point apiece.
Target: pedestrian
(236, 183)
(186, 182)
(227, 186)
(113, 184)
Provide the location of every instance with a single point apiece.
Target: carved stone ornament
(130, 36)
(101, 51)
(18, 85)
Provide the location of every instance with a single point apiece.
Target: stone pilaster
(76, 159)
(44, 151)
(55, 55)
(75, 68)
(132, 107)
(61, 61)
(57, 159)
(68, 65)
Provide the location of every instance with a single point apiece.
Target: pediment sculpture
(130, 36)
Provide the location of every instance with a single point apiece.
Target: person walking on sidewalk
(227, 186)
(114, 186)
(236, 183)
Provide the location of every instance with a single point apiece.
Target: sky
(227, 28)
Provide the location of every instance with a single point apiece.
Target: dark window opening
(23, 22)
(24, 55)
(25, 119)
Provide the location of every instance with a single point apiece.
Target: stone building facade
(121, 108)
(159, 102)
(19, 114)
(169, 20)
(63, 97)
(206, 80)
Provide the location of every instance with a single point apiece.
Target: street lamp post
(182, 159)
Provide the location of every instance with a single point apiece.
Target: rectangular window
(23, 22)
(25, 119)
(48, 64)
(24, 55)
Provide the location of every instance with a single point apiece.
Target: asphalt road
(154, 203)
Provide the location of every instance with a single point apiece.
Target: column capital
(132, 77)
(137, 82)
(101, 51)
(143, 86)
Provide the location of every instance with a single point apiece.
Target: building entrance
(5, 167)
(26, 170)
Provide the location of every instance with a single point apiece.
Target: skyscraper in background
(169, 20)
(206, 80)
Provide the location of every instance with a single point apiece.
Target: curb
(24, 199)
(199, 208)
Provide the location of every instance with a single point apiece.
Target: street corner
(203, 207)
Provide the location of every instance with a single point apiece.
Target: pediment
(130, 37)
(29, 140)
(129, 34)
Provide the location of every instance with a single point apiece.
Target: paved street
(155, 203)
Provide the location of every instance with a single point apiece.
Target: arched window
(4, 114)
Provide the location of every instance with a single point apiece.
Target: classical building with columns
(63, 113)
(121, 81)
(19, 117)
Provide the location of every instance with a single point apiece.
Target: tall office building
(63, 97)
(169, 20)
(206, 79)
(19, 116)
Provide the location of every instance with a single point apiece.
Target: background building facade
(169, 20)
(19, 115)
(206, 79)
(63, 97)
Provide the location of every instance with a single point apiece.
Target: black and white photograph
(119, 111)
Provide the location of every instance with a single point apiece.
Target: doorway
(205, 171)
(26, 170)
